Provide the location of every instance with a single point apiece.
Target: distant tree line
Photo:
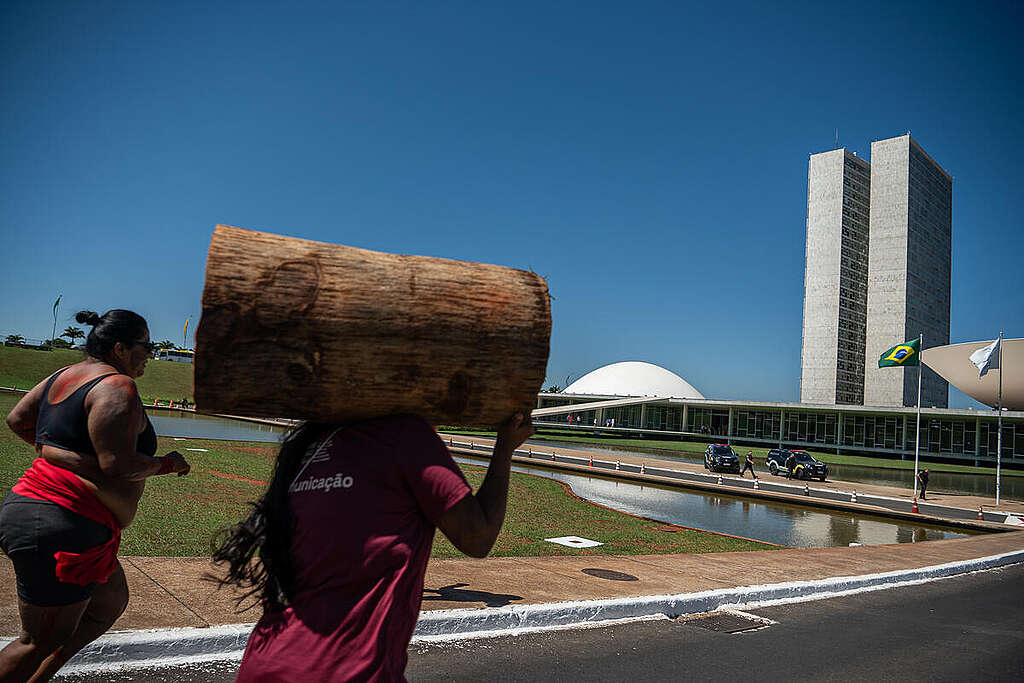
(72, 334)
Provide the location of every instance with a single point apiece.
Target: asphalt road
(966, 628)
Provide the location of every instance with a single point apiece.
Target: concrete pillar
(906, 424)
(686, 415)
(782, 426)
(839, 431)
(728, 427)
(643, 416)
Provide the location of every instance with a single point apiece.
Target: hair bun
(88, 317)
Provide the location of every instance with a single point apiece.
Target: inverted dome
(633, 378)
(953, 363)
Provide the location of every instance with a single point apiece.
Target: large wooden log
(301, 329)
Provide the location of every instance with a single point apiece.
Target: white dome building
(633, 378)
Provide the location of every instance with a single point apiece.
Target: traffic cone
(529, 453)
(618, 465)
(591, 463)
(981, 514)
(719, 479)
(552, 456)
(914, 507)
(807, 490)
(643, 469)
(757, 485)
(853, 497)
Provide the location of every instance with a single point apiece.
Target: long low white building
(637, 411)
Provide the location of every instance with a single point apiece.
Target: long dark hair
(117, 325)
(268, 530)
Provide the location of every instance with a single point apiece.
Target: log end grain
(309, 330)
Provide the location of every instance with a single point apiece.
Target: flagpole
(54, 333)
(917, 438)
(999, 438)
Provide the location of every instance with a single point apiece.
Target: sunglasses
(149, 346)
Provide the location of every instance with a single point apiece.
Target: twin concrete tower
(878, 255)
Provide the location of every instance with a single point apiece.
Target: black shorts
(31, 531)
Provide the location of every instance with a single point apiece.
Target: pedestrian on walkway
(61, 522)
(749, 465)
(790, 465)
(922, 478)
(336, 549)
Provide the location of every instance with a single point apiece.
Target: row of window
(950, 437)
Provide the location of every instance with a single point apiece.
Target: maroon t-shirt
(365, 509)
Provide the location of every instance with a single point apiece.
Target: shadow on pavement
(455, 593)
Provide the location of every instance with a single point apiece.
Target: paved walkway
(172, 592)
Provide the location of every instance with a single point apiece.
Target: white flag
(986, 358)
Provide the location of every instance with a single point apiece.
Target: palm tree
(14, 340)
(73, 333)
(165, 344)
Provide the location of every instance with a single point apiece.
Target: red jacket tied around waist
(45, 481)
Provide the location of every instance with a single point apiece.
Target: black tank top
(64, 424)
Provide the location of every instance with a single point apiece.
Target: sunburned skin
(116, 418)
(117, 473)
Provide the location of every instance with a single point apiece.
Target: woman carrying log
(61, 523)
(344, 532)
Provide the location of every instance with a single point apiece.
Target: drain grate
(727, 621)
(609, 574)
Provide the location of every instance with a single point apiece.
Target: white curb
(520, 617)
(169, 647)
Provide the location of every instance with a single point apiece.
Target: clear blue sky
(649, 159)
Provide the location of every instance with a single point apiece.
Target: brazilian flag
(901, 355)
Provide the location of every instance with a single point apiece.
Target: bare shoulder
(119, 381)
(114, 391)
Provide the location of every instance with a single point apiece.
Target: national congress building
(878, 258)
(877, 274)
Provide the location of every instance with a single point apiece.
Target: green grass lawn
(179, 515)
(24, 368)
(695, 449)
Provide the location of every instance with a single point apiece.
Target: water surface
(788, 525)
(195, 426)
(948, 482)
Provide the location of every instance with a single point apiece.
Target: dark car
(720, 457)
(807, 466)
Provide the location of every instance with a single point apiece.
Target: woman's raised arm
(473, 524)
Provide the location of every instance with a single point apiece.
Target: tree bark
(309, 330)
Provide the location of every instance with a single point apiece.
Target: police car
(720, 457)
(807, 466)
